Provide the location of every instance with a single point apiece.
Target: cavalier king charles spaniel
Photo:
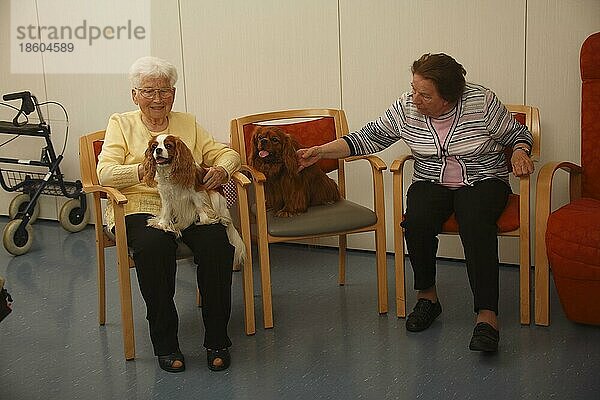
(169, 165)
(288, 191)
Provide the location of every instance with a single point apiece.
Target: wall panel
(245, 57)
(556, 31)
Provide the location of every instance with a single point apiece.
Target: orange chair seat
(573, 244)
(508, 221)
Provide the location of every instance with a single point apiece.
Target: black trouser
(477, 209)
(154, 257)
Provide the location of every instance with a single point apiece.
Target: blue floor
(328, 341)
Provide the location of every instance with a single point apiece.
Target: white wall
(241, 57)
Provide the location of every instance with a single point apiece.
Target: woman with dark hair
(456, 132)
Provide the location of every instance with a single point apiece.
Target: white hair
(151, 67)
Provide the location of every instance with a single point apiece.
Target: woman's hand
(521, 163)
(307, 157)
(215, 177)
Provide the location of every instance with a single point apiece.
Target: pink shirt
(452, 172)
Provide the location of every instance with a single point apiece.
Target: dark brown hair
(447, 75)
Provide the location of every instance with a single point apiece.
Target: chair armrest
(546, 175)
(377, 168)
(257, 176)
(376, 162)
(398, 164)
(240, 179)
(114, 194)
(544, 189)
(397, 169)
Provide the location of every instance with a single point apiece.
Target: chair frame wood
(262, 234)
(532, 121)
(92, 186)
(543, 207)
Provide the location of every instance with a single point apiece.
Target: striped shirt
(476, 139)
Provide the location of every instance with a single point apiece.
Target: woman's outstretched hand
(307, 157)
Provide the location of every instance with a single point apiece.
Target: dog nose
(158, 150)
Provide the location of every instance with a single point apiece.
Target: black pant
(477, 209)
(154, 257)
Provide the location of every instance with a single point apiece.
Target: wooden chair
(513, 222)
(318, 126)
(89, 148)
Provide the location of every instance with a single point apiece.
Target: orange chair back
(97, 145)
(590, 123)
(307, 133)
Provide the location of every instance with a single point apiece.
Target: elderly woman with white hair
(120, 166)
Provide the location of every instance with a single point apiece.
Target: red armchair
(568, 239)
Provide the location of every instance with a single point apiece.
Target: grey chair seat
(341, 216)
(183, 251)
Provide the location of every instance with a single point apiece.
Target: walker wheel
(71, 216)
(18, 205)
(17, 240)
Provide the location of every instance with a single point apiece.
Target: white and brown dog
(169, 165)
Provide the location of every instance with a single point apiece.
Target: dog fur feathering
(170, 166)
(288, 192)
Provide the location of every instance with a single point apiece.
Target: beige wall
(240, 57)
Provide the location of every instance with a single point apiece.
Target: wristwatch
(527, 150)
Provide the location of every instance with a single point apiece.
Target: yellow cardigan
(123, 150)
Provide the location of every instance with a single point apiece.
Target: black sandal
(213, 355)
(166, 362)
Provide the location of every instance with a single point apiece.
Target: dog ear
(254, 145)
(289, 153)
(149, 165)
(183, 164)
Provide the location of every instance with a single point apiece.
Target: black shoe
(423, 315)
(166, 362)
(485, 338)
(222, 354)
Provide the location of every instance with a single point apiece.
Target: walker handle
(27, 106)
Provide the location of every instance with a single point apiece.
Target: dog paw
(285, 214)
(154, 222)
(203, 218)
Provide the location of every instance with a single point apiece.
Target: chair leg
(382, 288)
(524, 279)
(124, 285)
(101, 284)
(399, 270)
(265, 275)
(342, 244)
(542, 267)
(126, 307)
(101, 267)
(542, 282)
(248, 289)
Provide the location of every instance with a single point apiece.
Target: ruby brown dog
(288, 192)
(169, 165)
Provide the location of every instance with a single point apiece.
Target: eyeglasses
(149, 93)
